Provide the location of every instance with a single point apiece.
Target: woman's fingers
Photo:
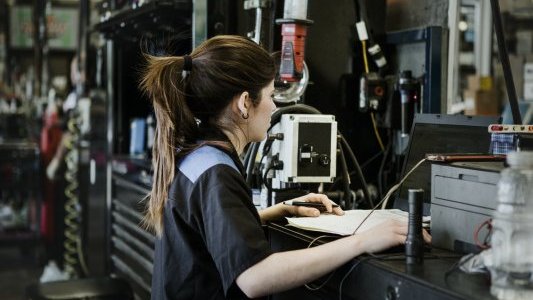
(312, 197)
(307, 211)
(338, 211)
(402, 229)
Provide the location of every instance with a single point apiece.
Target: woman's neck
(236, 139)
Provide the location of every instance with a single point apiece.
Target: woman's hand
(386, 235)
(303, 211)
(281, 210)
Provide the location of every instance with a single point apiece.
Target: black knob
(324, 160)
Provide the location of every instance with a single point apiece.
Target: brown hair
(188, 108)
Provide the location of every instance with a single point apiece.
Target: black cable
(296, 108)
(267, 184)
(450, 270)
(352, 173)
(267, 146)
(363, 15)
(274, 166)
(321, 285)
(265, 178)
(357, 11)
(261, 160)
(345, 178)
(254, 147)
(247, 156)
(368, 161)
(382, 167)
(358, 170)
(348, 274)
(316, 288)
(506, 65)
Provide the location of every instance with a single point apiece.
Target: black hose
(363, 166)
(345, 178)
(296, 108)
(358, 170)
(267, 184)
(247, 156)
(357, 11)
(254, 147)
(382, 167)
(363, 14)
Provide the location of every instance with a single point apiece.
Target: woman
(210, 244)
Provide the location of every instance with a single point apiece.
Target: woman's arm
(285, 270)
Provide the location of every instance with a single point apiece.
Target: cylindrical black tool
(414, 245)
(409, 89)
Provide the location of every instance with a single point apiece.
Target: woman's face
(259, 120)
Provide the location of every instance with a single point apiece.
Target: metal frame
(199, 22)
(110, 141)
(452, 85)
(432, 36)
(482, 45)
(483, 42)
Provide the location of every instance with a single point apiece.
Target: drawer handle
(468, 177)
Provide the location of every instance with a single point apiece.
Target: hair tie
(187, 66)
(187, 63)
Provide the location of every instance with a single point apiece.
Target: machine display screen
(437, 138)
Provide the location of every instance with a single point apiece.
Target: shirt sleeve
(230, 224)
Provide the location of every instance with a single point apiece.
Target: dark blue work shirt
(212, 231)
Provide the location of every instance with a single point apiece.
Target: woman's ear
(243, 103)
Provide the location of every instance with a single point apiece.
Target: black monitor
(436, 133)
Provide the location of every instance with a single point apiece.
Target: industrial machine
(308, 150)
(304, 152)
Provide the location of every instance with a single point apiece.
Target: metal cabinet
(19, 193)
(131, 248)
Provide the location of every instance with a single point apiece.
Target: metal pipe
(504, 58)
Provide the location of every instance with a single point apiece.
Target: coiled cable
(73, 254)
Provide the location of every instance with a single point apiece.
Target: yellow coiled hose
(73, 252)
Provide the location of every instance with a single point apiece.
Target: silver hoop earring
(245, 116)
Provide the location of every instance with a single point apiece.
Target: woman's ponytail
(163, 83)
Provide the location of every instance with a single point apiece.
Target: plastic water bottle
(512, 238)
(137, 135)
(150, 133)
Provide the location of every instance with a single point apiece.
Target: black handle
(414, 245)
